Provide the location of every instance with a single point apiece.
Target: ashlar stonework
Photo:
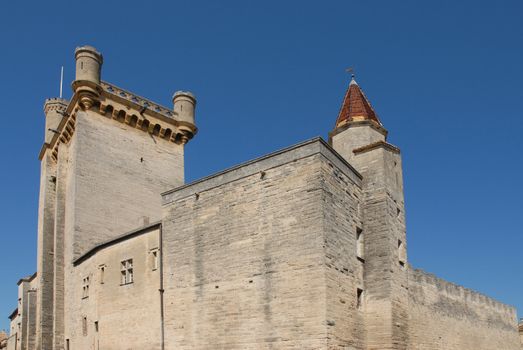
(304, 248)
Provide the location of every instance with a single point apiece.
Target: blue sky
(445, 77)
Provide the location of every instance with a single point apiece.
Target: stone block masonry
(447, 316)
(246, 263)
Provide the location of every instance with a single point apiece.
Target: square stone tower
(360, 138)
(107, 156)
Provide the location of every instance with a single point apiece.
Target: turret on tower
(88, 71)
(54, 109)
(184, 106)
(357, 124)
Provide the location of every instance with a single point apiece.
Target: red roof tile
(355, 106)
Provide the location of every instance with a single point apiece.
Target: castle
(304, 248)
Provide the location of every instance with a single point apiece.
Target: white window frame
(127, 272)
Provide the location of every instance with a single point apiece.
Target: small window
(84, 326)
(102, 274)
(154, 259)
(401, 253)
(96, 326)
(127, 271)
(85, 287)
(67, 345)
(359, 243)
(359, 299)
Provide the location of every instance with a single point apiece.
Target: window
(359, 243)
(154, 259)
(359, 299)
(96, 326)
(102, 273)
(401, 253)
(85, 287)
(84, 326)
(67, 345)
(127, 271)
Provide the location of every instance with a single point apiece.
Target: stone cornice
(379, 144)
(124, 107)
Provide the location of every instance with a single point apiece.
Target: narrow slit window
(359, 299)
(154, 259)
(401, 253)
(359, 243)
(102, 274)
(84, 326)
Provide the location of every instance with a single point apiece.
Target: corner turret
(184, 106)
(88, 70)
(54, 109)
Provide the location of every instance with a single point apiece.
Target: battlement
(55, 104)
(175, 125)
(143, 103)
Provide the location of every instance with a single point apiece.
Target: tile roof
(356, 106)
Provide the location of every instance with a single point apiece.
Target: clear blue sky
(445, 77)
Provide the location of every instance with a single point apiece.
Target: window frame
(126, 272)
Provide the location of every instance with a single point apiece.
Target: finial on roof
(352, 75)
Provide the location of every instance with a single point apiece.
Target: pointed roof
(356, 106)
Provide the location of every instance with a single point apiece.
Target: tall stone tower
(107, 157)
(360, 138)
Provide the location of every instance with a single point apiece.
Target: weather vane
(351, 71)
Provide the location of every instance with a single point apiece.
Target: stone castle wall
(245, 264)
(443, 315)
(115, 315)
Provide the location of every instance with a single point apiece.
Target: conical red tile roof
(356, 106)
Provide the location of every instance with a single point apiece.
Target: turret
(54, 109)
(184, 106)
(357, 125)
(88, 70)
(360, 138)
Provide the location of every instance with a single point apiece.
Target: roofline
(118, 239)
(227, 171)
(26, 279)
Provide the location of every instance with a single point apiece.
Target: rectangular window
(84, 326)
(359, 243)
(67, 345)
(154, 259)
(85, 287)
(359, 299)
(96, 326)
(126, 269)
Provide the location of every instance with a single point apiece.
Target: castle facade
(304, 248)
